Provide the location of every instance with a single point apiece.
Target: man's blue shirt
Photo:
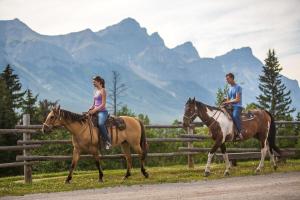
(232, 94)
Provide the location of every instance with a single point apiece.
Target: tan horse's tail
(272, 135)
(143, 142)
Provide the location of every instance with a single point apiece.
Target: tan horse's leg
(97, 161)
(126, 150)
(76, 155)
(138, 150)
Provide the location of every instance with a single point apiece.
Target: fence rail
(27, 144)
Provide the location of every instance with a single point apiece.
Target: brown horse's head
(190, 112)
(52, 120)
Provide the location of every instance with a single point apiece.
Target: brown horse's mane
(210, 107)
(72, 116)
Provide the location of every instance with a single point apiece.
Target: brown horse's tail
(272, 136)
(143, 142)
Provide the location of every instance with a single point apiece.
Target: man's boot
(239, 136)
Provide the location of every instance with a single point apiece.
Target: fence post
(26, 136)
(190, 130)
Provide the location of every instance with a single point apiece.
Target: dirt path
(268, 187)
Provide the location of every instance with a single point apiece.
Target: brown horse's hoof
(67, 182)
(257, 171)
(100, 180)
(146, 175)
(275, 167)
(206, 174)
(226, 173)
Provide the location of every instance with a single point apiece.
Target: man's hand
(225, 103)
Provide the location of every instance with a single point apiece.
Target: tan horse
(86, 140)
(221, 128)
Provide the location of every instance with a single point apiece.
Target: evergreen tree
(11, 101)
(297, 126)
(251, 106)
(43, 109)
(29, 104)
(125, 111)
(14, 96)
(221, 95)
(274, 98)
(144, 119)
(4, 101)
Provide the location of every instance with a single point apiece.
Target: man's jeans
(236, 115)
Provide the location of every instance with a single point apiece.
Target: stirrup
(239, 137)
(107, 145)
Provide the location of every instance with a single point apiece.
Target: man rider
(234, 98)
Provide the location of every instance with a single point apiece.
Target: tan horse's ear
(194, 99)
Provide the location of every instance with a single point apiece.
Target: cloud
(214, 27)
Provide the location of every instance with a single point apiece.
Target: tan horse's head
(190, 112)
(52, 120)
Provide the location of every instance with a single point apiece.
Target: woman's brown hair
(100, 80)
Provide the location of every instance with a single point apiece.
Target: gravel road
(284, 186)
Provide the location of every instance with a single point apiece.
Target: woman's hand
(91, 112)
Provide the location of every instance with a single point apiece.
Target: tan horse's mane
(72, 116)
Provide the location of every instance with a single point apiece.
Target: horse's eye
(51, 117)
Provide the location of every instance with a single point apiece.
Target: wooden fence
(27, 160)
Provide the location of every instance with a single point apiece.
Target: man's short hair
(230, 75)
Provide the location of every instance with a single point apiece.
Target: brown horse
(221, 128)
(85, 138)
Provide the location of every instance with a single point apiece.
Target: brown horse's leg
(75, 159)
(263, 144)
(217, 144)
(126, 150)
(225, 157)
(272, 157)
(97, 162)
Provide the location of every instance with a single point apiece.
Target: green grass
(54, 182)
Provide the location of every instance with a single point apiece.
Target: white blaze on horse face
(225, 123)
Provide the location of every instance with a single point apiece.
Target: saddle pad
(115, 121)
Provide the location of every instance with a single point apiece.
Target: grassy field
(54, 182)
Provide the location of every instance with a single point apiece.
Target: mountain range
(159, 79)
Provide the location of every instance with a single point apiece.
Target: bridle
(55, 118)
(196, 113)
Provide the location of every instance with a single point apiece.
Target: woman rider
(98, 107)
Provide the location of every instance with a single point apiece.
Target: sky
(214, 27)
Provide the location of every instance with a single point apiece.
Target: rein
(90, 125)
(201, 116)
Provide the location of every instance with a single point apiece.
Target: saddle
(245, 116)
(112, 121)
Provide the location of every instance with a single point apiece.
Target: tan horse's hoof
(206, 174)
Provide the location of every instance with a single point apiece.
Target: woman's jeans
(236, 115)
(102, 116)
